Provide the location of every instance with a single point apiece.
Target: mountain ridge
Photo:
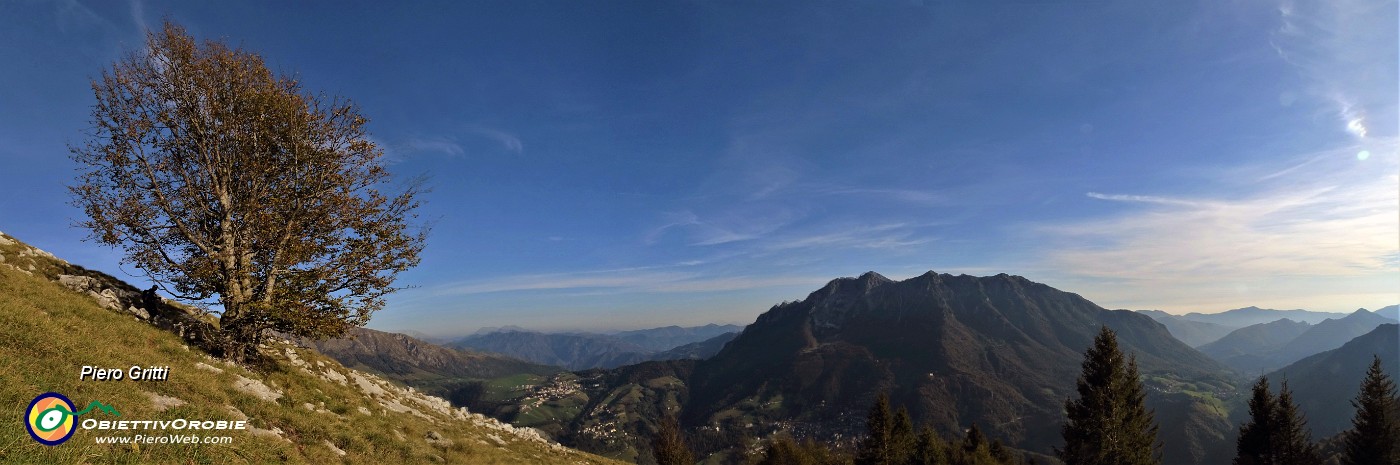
(1323, 382)
(1249, 346)
(1252, 315)
(934, 343)
(582, 351)
(1193, 333)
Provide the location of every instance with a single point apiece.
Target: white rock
(333, 375)
(236, 413)
(333, 448)
(255, 388)
(437, 440)
(275, 432)
(163, 403)
(496, 439)
(208, 367)
(369, 387)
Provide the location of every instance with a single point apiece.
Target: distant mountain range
(696, 350)
(434, 369)
(1199, 329)
(1322, 384)
(1392, 312)
(670, 337)
(581, 351)
(1264, 347)
(1241, 317)
(1193, 333)
(1001, 352)
(1250, 346)
(399, 354)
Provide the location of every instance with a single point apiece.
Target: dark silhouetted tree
(1374, 437)
(784, 451)
(974, 440)
(1109, 423)
(1292, 442)
(1254, 445)
(930, 449)
(668, 447)
(225, 183)
(879, 427)
(999, 452)
(902, 438)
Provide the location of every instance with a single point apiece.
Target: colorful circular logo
(50, 419)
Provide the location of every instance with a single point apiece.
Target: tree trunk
(239, 336)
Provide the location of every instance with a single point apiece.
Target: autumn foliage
(228, 184)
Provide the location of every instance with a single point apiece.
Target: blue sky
(603, 165)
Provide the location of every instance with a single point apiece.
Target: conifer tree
(975, 450)
(999, 452)
(1253, 447)
(974, 440)
(902, 439)
(1292, 441)
(930, 449)
(1109, 423)
(668, 447)
(879, 424)
(1374, 437)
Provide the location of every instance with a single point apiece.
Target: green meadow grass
(47, 333)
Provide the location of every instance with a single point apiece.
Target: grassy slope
(48, 332)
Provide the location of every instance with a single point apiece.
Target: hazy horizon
(623, 165)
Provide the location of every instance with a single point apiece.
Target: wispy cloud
(1346, 49)
(726, 226)
(73, 15)
(1335, 220)
(633, 280)
(470, 139)
(438, 144)
(912, 196)
(1144, 199)
(670, 220)
(507, 140)
(885, 236)
(138, 14)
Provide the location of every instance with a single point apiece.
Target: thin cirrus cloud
(883, 236)
(454, 146)
(437, 144)
(508, 141)
(1144, 199)
(631, 280)
(724, 227)
(1334, 221)
(1339, 47)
